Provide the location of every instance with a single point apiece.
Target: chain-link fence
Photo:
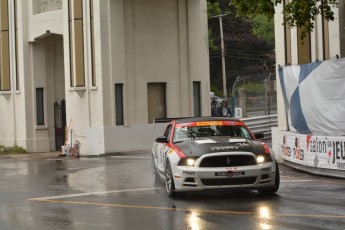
(256, 104)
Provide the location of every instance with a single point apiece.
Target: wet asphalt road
(49, 192)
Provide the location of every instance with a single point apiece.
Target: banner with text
(315, 151)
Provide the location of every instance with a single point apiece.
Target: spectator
(224, 110)
(214, 110)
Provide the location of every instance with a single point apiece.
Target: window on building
(325, 39)
(156, 99)
(287, 41)
(119, 104)
(92, 44)
(39, 106)
(5, 83)
(16, 42)
(76, 43)
(304, 48)
(196, 98)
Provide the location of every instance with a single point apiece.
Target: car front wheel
(273, 190)
(155, 177)
(169, 180)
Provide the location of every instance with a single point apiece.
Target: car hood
(199, 147)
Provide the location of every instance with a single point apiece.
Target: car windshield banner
(211, 123)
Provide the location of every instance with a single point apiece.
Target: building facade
(102, 68)
(325, 42)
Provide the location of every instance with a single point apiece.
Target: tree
(247, 53)
(263, 28)
(298, 13)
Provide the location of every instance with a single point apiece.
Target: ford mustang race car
(213, 153)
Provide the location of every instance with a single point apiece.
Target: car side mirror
(162, 139)
(259, 135)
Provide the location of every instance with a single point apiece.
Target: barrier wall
(325, 154)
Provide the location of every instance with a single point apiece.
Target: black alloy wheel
(273, 190)
(169, 180)
(155, 176)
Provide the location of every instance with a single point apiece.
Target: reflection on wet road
(117, 193)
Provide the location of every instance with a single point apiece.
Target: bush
(11, 150)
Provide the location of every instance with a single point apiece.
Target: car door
(162, 149)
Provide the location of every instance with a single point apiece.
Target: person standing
(224, 110)
(214, 110)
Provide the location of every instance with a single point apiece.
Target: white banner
(315, 151)
(314, 97)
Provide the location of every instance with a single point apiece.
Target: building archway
(49, 77)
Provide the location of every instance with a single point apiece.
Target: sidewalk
(31, 155)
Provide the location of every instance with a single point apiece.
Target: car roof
(198, 119)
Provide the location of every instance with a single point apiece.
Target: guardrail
(262, 124)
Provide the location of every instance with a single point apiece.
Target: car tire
(155, 176)
(271, 191)
(169, 181)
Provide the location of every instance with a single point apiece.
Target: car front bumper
(190, 178)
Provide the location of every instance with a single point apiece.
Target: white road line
(129, 157)
(92, 193)
(293, 181)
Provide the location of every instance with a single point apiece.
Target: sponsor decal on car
(224, 148)
(230, 173)
(189, 173)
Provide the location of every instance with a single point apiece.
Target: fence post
(242, 101)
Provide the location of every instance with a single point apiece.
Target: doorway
(60, 124)
(156, 99)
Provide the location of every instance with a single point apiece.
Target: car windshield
(191, 132)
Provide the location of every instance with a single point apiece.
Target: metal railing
(262, 124)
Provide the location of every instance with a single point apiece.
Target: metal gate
(60, 124)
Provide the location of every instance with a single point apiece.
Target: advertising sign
(315, 151)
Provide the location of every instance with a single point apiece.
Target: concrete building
(326, 42)
(115, 64)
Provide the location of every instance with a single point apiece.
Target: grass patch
(11, 150)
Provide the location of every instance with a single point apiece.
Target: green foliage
(253, 87)
(263, 28)
(302, 13)
(11, 150)
(251, 8)
(211, 42)
(216, 91)
(212, 9)
(298, 13)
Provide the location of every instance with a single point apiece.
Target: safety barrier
(262, 124)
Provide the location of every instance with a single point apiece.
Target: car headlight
(190, 161)
(187, 161)
(260, 159)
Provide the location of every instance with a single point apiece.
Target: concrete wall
(106, 140)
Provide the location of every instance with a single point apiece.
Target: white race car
(213, 153)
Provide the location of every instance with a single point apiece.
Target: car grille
(229, 181)
(227, 161)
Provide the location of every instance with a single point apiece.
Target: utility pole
(225, 94)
